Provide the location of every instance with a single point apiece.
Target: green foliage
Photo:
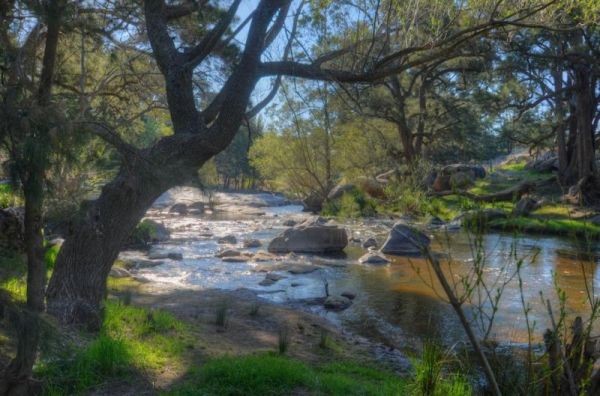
(8, 197)
(351, 204)
(51, 255)
(12, 276)
(566, 227)
(144, 233)
(277, 375)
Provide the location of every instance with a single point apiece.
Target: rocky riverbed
(221, 242)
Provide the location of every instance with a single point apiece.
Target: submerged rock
(371, 242)
(228, 253)
(373, 258)
(349, 295)
(197, 207)
(271, 278)
(312, 236)
(179, 208)
(154, 254)
(140, 264)
(289, 223)
(337, 303)
(237, 259)
(405, 240)
(227, 239)
(301, 269)
(252, 243)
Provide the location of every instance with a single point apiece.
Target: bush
(144, 233)
(352, 204)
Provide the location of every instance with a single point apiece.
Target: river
(398, 304)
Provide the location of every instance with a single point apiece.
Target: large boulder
(475, 171)
(313, 202)
(12, 228)
(461, 180)
(595, 220)
(312, 236)
(546, 162)
(405, 240)
(525, 206)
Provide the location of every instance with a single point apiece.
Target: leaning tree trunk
(78, 285)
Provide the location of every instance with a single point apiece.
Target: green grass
(565, 227)
(51, 255)
(131, 339)
(12, 276)
(515, 167)
(268, 374)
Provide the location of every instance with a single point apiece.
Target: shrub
(144, 233)
(352, 204)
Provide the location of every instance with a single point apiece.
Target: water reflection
(405, 302)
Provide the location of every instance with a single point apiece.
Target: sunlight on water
(395, 304)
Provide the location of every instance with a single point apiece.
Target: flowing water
(399, 304)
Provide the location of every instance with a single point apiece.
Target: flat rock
(252, 243)
(228, 253)
(236, 259)
(337, 303)
(374, 258)
(179, 208)
(289, 223)
(140, 264)
(405, 240)
(158, 255)
(229, 239)
(271, 278)
(264, 256)
(300, 269)
(117, 272)
(349, 295)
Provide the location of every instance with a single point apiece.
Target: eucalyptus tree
(28, 121)
(558, 71)
(203, 127)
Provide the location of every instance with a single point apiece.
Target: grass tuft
(268, 374)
